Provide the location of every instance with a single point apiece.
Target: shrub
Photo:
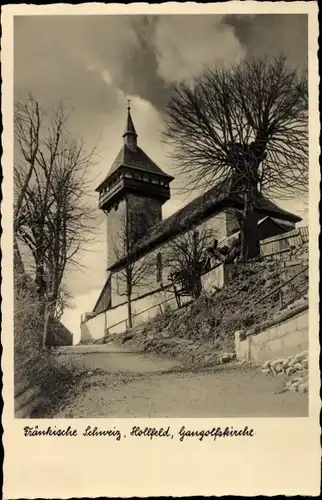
(32, 365)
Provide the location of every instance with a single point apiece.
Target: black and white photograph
(161, 229)
(160, 226)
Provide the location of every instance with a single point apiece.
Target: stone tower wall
(116, 223)
(143, 213)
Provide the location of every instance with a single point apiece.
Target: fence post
(281, 298)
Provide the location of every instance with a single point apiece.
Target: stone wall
(142, 212)
(115, 320)
(115, 227)
(216, 277)
(58, 334)
(285, 338)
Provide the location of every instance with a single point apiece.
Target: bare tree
(247, 123)
(52, 215)
(188, 256)
(134, 274)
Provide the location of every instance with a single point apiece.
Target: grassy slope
(204, 329)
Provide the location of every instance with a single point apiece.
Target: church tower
(131, 195)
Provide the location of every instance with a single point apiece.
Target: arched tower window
(159, 267)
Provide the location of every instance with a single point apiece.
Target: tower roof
(133, 157)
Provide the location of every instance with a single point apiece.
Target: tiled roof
(209, 203)
(137, 159)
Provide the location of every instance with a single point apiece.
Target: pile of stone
(226, 357)
(298, 384)
(293, 365)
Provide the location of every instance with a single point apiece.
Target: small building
(131, 196)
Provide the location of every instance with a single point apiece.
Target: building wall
(232, 224)
(94, 328)
(146, 307)
(143, 213)
(146, 268)
(216, 223)
(116, 222)
(147, 265)
(115, 320)
(269, 228)
(105, 299)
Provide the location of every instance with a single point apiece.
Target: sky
(95, 63)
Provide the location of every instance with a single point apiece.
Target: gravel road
(135, 384)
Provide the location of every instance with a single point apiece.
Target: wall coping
(278, 319)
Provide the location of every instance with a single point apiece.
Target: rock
(297, 380)
(273, 370)
(266, 371)
(298, 366)
(277, 362)
(267, 364)
(301, 355)
(279, 368)
(289, 371)
(224, 359)
(303, 388)
(286, 363)
(305, 364)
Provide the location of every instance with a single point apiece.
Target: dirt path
(134, 384)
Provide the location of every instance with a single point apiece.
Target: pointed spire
(130, 135)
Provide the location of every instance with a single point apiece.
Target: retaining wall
(283, 339)
(115, 320)
(216, 277)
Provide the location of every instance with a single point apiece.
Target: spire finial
(130, 135)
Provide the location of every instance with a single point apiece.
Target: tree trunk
(129, 310)
(196, 287)
(249, 243)
(46, 325)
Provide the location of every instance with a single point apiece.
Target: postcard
(160, 249)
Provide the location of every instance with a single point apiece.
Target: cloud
(186, 44)
(94, 63)
(271, 34)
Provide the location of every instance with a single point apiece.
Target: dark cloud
(139, 75)
(272, 34)
(64, 57)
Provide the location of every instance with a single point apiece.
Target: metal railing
(279, 288)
